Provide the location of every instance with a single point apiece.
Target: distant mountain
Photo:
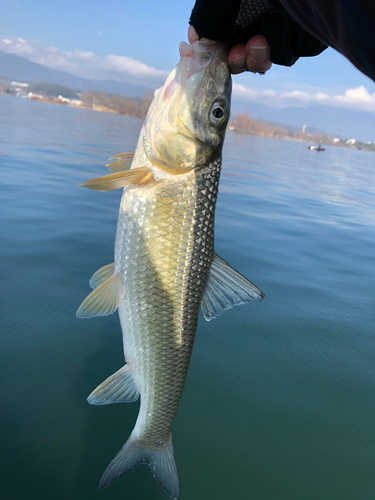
(17, 68)
(334, 121)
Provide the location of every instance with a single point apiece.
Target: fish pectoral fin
(118, 388)
(120, 162)
(226, 288)
(101, 275)
(103, 300)
(117, 180)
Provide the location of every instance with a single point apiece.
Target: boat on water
(316, 148)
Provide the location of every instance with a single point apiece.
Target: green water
(279, 402)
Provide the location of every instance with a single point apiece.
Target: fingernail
(258, 54)
(239, 62)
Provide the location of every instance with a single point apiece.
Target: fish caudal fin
(226, 288)
(161, 462)
(118, 388)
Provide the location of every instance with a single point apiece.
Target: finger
(192, 35)
(237, 59)
(258, 54)
(255, 56)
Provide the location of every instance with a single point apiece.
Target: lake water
(279, 402)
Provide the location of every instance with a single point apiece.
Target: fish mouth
(197, 56)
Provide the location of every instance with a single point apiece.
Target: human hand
(254, 56)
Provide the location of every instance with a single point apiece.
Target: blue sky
(138, 42)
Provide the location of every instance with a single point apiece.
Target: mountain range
(333, 120)
(17, 68)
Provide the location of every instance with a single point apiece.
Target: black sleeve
(236, 21)
(215, 19)
(295, 28)
(346, 25)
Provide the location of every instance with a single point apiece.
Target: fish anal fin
(226, 288)
(101, 275)
(117, 180)
(118, 388)
(103, 300)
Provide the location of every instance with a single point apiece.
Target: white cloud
(85, 64)
(357, 98)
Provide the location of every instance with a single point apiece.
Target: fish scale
(158, 339)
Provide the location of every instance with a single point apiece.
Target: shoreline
(62, 101)
(72, 104)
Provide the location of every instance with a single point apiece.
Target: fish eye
(217, 114)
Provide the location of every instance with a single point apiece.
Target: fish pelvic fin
(226, 288)
(161, 462)
(117, 180)
(103, 300)
(118, 388)
(101, 275)
(120, 162)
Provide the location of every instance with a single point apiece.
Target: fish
(165, 267)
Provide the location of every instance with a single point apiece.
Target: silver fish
(165, 265)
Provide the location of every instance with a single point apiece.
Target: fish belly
(164, 249)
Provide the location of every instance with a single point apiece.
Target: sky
(137, 42)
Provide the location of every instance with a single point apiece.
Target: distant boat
(317, 148)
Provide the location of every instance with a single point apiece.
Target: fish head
(187, 119)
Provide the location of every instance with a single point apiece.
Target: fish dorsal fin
(120, 162)
(140, 175)
(118, 388)
(103, 300)
(101, 275)
(226, 288)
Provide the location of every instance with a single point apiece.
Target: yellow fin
(121, 155)
(103, 300)
(101, 275)
(122, 161)
(140, 175)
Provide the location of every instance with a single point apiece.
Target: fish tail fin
(161, 462)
